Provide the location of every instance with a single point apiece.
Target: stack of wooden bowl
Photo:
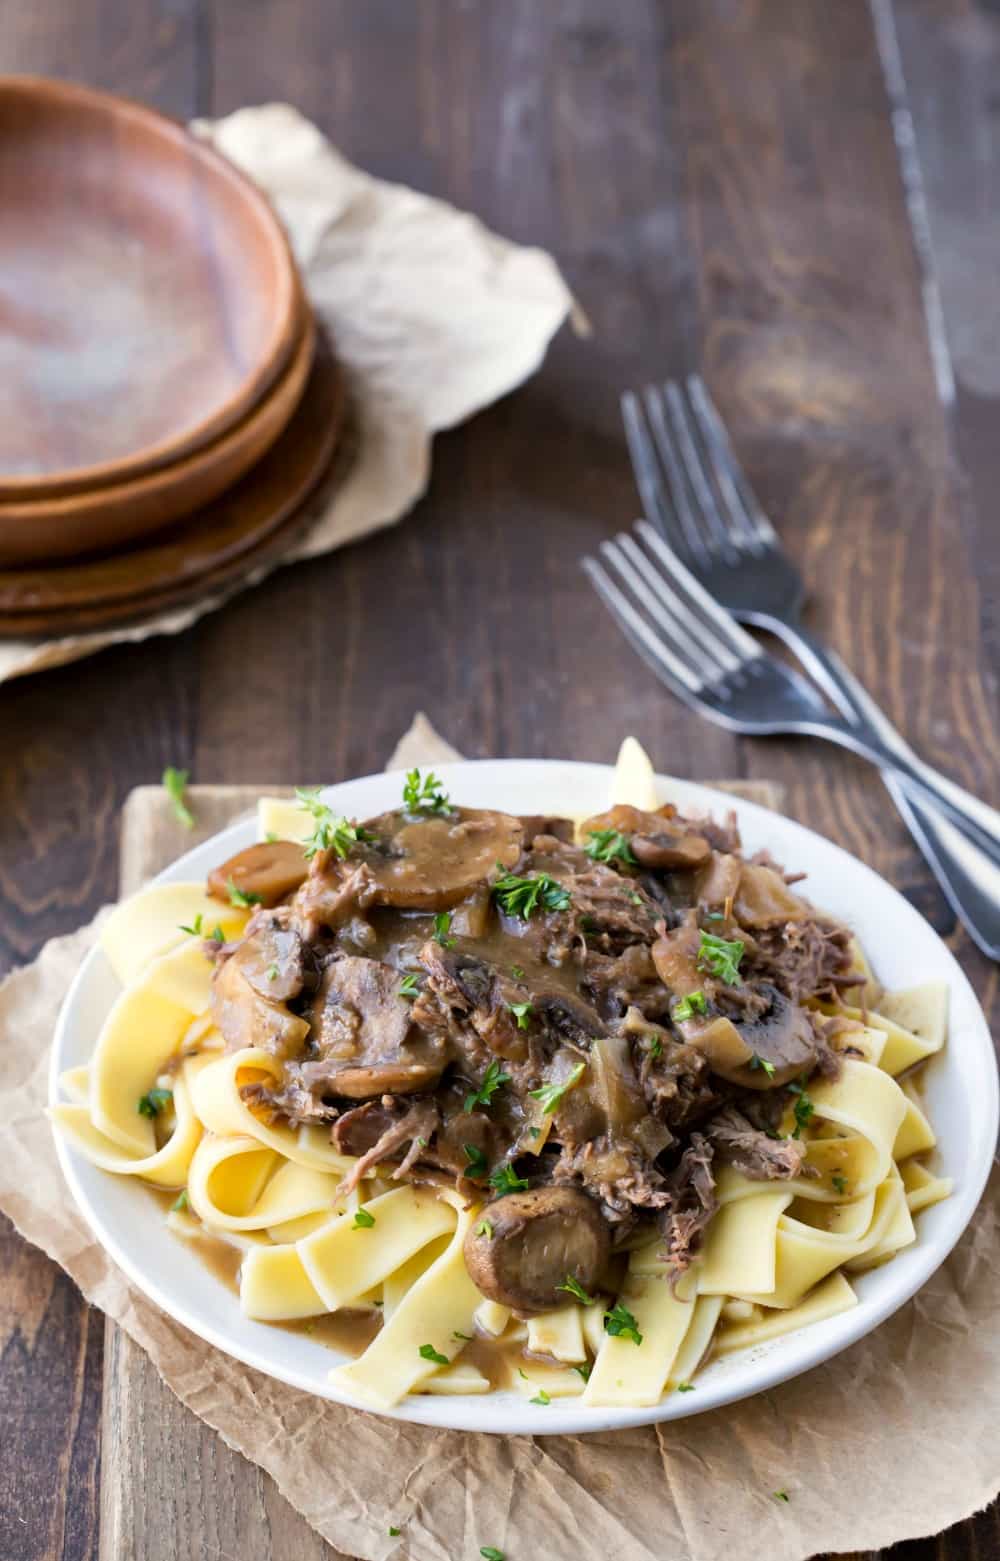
(167, 404)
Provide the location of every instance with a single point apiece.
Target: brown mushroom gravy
(578, 1027)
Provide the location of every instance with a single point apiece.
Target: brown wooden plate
(37, 531)
(245, 528)
(147, 290)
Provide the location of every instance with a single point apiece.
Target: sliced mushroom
(529, 1243)
(764, 899)
(277, 962)
(658, 841)
(758, 1053)
(248, 1015)
(364, 1039)
(267, 872)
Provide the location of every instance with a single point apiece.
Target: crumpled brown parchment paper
(432, 315)
(893, 1439)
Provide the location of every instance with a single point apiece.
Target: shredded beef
(752, 1152)
(691, 1203)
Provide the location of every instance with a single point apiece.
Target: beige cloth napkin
(432, 314)
(895, 1438)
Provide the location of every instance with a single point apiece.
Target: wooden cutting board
(171, 1490)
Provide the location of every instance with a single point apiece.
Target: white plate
(961, 1098)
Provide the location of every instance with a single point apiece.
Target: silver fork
(701, 653)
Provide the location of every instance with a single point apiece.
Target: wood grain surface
(721, 183)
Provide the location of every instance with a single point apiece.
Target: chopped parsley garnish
(331, 831)
(620, 1323)
(574, 1287)
(693, 1003)
(410, 985)
(541, 1397)
(175, 784)
(271, 838)
(218, 935)
(685, 1387)
(635, 898)
(584, 1370)
(491, 1553)
(721, 957)
(180, 1203)
(803, 1110)
(273, 972)
(656, 1047)
(194, 931)
(839, 1182)
(756, 1061)
(521, 897)
(244, 898)
(607, 845)
(442, 930)
(478, 1163)
(394, 1533)
(428, 1352)
(363, 1220)
(466, 1338)
(424, 796)
(780, 1495)
(156, 1101)
(484, 1228)
(492, 1080)
(522, 1013)
(517, 971)
(505, 1179)
(551, 1094)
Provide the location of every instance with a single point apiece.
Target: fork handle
(920, 781)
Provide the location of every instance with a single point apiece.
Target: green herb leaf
(655, 1047)
(762, 1063)
(584, 1370)
(522, 1013)
(424, 796)
(156, 1101)
(521, 897)
(484, 1228)
(505, 1179)
(839, 1183)
(466, 1338)
(541, 1397)
(620, 1323)
(428, 1352)
(180, 1203)
(394, 1532)
(780, 1495)
(331, 831)
(574, 1287)
(175, 784)
(410, 985)
(442, 930)
(517, 971)
(272, 838)
(363, 1220)
(551, 1094)
(608, 845)
(218, 934)
(693, 1003)
(685, 1387)
(721, 957)
(273, 972)
(492, 1080)
(491, 1553)
(636, 899)
(194, 931)
(244, 898)
(804, 1108)
(478, 1163)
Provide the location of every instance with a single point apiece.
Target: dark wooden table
(725, 183)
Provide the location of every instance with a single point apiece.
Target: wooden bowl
(102, 518)
(147, 290)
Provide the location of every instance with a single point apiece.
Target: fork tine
(713, 520)
(680, 494)
(746, 514)
(656, 503)
(706, 665)
(648, 578)
(640, 636)
(695, 597)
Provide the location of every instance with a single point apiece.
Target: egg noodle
(777, 1256)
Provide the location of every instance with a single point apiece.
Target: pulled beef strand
(581, 1065)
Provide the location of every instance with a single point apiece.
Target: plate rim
(813, 1345)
